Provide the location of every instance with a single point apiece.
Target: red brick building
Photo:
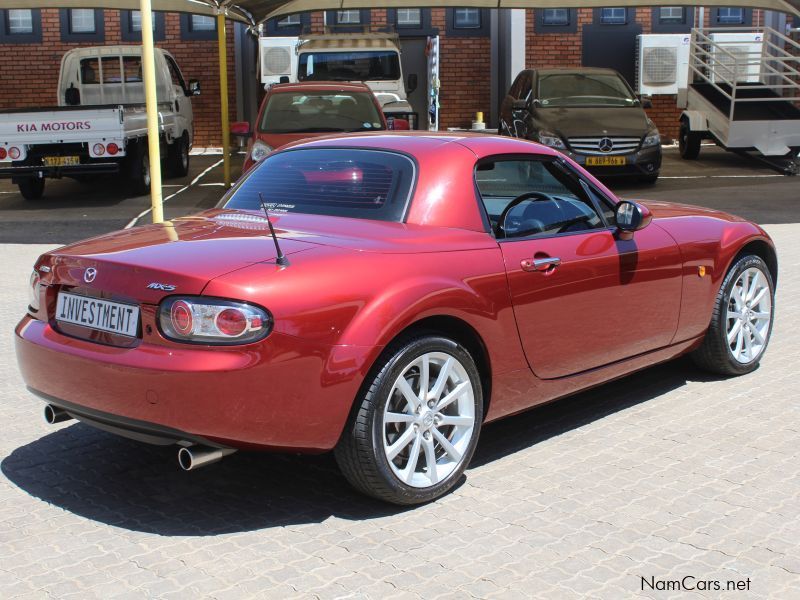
(33, 41)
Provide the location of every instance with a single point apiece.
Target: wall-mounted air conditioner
(739, 52)
(278, 58)
(662, 63)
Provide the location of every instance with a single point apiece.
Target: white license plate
(103, 315)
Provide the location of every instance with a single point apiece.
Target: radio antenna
(280, 256)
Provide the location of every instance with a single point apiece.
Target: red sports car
(415, 288)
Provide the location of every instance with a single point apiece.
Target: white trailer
(743, 92)
(100, 123)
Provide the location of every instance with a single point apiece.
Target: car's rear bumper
(282, 393)
(22, 171)
(646, 162)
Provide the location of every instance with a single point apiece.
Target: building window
(555, 16)
(289, 21)
(348, 17)
(347, 20)
(617, 15)
(672, 14)
(409, 17)
(198, 27)
(20, 26)
(82, 25)
(81, 20)
(730, 16)
(467, 18)
(130, 24)
(468, 21)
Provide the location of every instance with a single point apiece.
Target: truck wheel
(31, 188)
(178, 156)
(139, 170)
(416, 426)
(688, 141)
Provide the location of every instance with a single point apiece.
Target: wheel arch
(763, 250)
(697, 121)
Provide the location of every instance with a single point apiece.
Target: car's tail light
(112, 149)
(3, 153)
(200, 320)
(33, 292)
(99, 149)
(14, 153)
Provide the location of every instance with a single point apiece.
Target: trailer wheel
(139, 170)
(688, 141)
(31, 188)
(178, 156)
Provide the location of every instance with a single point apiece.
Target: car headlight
(201, 320)
(33, 291)
(552, 140)
(259, 151)
(651, 139)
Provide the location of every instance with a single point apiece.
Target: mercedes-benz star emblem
(605, 145)
(89, 274)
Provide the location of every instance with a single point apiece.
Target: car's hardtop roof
(576, 71)
(418, 143)
(319, 86)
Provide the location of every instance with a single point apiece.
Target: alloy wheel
(429, 420)
(749, 315)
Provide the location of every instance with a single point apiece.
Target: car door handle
(540, 264)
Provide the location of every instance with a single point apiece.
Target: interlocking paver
(666, 473)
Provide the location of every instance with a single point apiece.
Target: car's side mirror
(631, 217)
(413, 82)
(194, 87)
(646, 101)
(240, 128)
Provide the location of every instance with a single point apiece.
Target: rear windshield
(584, 89)
(303, 112)
(373, 65)
(361, 184)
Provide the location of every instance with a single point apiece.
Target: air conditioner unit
(662, 63)
(278, 58)
(736, 51)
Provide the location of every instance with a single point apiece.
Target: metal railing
(730, 63)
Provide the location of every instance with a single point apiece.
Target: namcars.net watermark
(690, 583)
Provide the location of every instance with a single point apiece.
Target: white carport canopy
(253, 12)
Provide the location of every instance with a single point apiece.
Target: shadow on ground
(126, 484)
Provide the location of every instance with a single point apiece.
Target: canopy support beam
(153, 141)
(223, 97)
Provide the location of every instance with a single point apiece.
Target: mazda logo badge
(89, 274)
(605, 145)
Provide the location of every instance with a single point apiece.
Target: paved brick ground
(665, 474)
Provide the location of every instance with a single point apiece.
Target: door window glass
(559, 203)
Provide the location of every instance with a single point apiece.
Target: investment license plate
(605, 161)
(103, 315)
(61, 161)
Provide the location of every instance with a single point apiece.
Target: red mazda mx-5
(416, 287)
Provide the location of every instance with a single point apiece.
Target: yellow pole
(223, 97)
(149, 72)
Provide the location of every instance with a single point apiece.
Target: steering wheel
(501, 221)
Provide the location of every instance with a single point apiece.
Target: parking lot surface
(667, 475)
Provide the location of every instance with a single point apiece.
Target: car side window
(534, 198)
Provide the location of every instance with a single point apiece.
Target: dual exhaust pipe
(189, 457)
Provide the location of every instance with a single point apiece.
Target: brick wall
(29, 72)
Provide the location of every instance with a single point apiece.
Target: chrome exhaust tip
(194, 457)
(53, 414)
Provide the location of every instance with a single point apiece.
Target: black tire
(715, 354)
(139, 169)
(31, 188)
(688, 141)
(178, 156)
(360, 452)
